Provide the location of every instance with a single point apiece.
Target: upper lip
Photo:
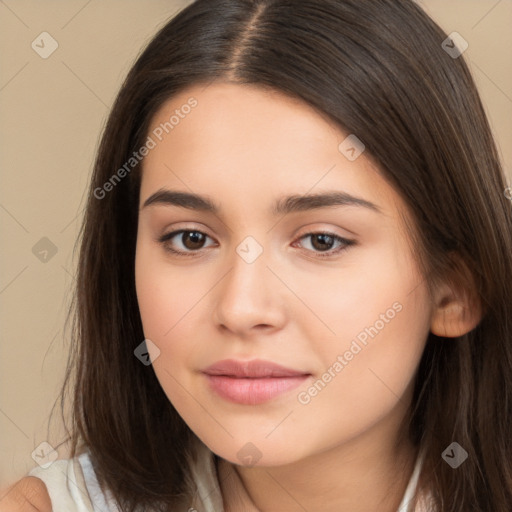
(254, 368)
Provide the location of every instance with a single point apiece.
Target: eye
(323, 243)
(192, 241)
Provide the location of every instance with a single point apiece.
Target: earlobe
(455, 313)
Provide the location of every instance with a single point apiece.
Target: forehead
(248, 143)
(243, 105)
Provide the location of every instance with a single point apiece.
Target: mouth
(252, 382)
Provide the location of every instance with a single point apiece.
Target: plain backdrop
(52, 112)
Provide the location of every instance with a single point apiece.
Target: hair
(378, 70)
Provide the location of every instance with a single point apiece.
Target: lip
(255, 368)
(252, 382)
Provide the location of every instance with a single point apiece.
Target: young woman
(294, 288)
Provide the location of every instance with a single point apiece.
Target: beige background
(51, 114)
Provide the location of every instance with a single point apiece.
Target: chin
(256, 453)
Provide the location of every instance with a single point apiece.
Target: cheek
(168, 307)
(361, 382)
(166, 293)
(380, 313)
(368, 283)
(166, 299)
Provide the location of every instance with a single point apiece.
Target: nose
(249, 299)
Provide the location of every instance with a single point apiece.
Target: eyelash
(320, 254)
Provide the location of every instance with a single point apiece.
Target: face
(328, 288)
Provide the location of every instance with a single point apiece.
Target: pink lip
(252, 382)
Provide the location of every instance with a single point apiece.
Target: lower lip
(252, 391)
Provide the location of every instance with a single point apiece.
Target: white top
(73, 486)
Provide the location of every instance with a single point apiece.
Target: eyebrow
(289, 204)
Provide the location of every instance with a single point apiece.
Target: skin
(244, 147)
(27, 495)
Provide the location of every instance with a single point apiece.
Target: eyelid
(331, 253)
(164, 239)
(179, 228)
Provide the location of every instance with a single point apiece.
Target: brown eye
(322, 241)
(326, 244)
(192, 239)
(188, 241)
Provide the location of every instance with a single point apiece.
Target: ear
(457, 307)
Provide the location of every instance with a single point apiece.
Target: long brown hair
(378, 69)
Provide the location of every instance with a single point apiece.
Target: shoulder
(29, 493)
(65, 485)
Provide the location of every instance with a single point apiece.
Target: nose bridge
(243, 299)
(246, 280)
